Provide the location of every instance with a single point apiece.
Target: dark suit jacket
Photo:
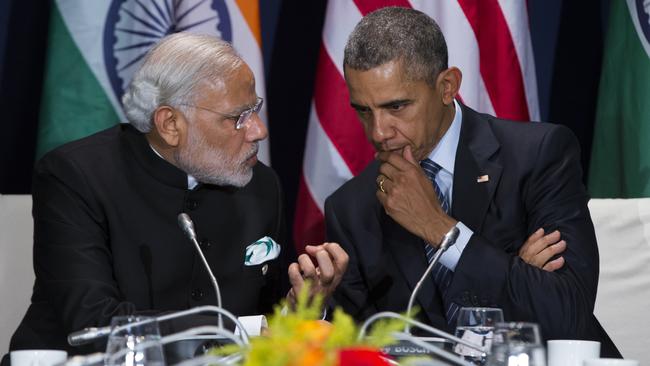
(534, 181)
(106, 239)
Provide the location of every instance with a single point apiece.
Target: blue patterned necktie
(442, 276)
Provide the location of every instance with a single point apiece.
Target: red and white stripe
(489, 40)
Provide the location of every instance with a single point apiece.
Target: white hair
(171, 73)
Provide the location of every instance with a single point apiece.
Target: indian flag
(96, 46)
(620, 159)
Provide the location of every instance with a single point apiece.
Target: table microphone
(417, 346)
(448, 240)
(88, 335)
(186, 224)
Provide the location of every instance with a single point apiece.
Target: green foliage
(298, 337)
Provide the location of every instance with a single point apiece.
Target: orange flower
(310, 357)
(314, 332)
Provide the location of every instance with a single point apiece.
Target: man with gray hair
(106, 239)
(509, 188)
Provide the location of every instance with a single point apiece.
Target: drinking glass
(517, 344)
(476, 325)
(126, 342)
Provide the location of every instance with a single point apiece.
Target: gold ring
(381, 185)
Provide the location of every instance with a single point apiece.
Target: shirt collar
(191, 181)
(444, 154)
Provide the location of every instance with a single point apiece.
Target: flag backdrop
(96, 46)
(489, 40)
(620, 159)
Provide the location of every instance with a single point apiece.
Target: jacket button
(197, 294)
(191, 204)
(475, 301)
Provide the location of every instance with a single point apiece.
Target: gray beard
(213, 166)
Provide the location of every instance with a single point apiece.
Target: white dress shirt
(444, 154)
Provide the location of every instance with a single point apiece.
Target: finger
(543, 243)
(313, 249)
(388, 171)
(554, 265)
(545, 255)
(339, 257)
(551, 238)
(401, 163)
(326, 267)
(534, 237)
(407, 154)
(395, 159)
(307, 268)
(295, 278)
(382, 183)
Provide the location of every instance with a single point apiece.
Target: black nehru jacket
(107, 242)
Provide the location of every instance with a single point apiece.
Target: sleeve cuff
(451, 257)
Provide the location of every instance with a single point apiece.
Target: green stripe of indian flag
(620, 159)
(76, 101)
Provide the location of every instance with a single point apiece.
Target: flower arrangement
(298, 337)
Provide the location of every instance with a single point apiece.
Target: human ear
(169, 124)
(448, 83)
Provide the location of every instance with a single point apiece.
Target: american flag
(489, 40)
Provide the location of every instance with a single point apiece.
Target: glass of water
(476, 325)
(134, 341)
(517, 344)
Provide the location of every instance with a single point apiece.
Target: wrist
(438, 230)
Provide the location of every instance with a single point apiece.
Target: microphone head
(186, 224)
(449, 239)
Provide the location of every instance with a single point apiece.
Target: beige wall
(16, 270)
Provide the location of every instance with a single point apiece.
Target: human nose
(256, 129)
(380, 128)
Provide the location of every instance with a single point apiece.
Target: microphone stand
(90, 334)
(186, 224)
(451, 357)
(217, 331)
(448, 240)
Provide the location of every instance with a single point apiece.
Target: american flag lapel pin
(482, 178)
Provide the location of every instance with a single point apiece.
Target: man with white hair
(106, 239)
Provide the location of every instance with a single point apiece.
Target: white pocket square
(263, 250)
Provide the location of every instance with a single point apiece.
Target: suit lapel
(474, 158)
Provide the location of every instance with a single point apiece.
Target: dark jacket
(106, 239)
(535, 180)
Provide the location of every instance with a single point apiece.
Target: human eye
(397, 106)
(361, 110)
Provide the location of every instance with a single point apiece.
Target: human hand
(409, 197)
(332, 262)
(539, 249)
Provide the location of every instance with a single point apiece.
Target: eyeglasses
(240, 119)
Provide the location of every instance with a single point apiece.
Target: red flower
(362, 357)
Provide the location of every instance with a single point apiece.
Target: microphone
(214, 332)
(186, 224)
(421, 346)
(448, 240)
(88, 335)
